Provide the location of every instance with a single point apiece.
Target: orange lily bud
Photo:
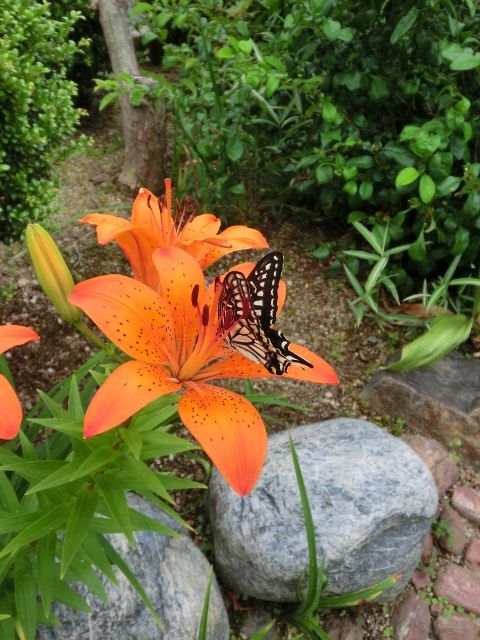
(52, 272)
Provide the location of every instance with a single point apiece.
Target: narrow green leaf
(34, 470)
(133, 440)
(158, 443)
(261, 634)
(81, 570)
(71, 427)
(354, 282)
(116, 559)
(46, 523)
(64, 594)
(92, 547)
(78, 522)
(25, 598)
(8, 497)
(149, 479)
(64, 474)
(115, 499)
(369, 237)
(447, 332)
(75, 406)
(203, 627)
(404, 25)
(47, 570)
(55, 409)
(354, 598)
(375, 274)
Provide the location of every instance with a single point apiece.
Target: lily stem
(90, 335)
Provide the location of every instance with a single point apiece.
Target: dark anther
(205, 315)
(195, 292)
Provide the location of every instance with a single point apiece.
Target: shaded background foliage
(36, 109)
(329, 112)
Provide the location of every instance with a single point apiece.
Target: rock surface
(467, 502)
(443, 401)
(372, 501)
(460, 586)
(472, 556)
(174, 574)
(411, 619)
(458, 626)
(443, 469)
(453, 541)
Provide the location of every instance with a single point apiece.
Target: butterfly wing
(263, 284)
(248, 308)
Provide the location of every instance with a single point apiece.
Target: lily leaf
(447, 332)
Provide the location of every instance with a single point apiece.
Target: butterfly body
(248, 308)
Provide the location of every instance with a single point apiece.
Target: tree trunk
(144, 126)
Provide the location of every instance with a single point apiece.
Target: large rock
(372, 500)
(174, 574)
(443, 401)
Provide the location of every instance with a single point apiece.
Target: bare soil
(316, 314)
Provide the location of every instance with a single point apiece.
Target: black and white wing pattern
(247, 309)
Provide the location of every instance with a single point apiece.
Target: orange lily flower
(176, 341)
(11, 335)
(153, 226)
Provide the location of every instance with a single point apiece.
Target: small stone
(454, 627)
(342, 628)
(411, 619)
(443, 469)
(427, 549)
(453, 541)
(420, 579)
(472, 556)
(436, 609)
(467, 502)
(460, 586)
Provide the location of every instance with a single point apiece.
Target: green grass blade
(203, 628)
(78, 523)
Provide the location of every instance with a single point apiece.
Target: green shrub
(317, 106)
(36, 110)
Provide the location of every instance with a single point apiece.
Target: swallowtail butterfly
(248, 308)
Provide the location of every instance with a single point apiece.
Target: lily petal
(229, 429)
(199, 228)
(178, 275)
(232, 238)
(10, 411)
(13, 335)
(237, 366)
(146, 213)
(127, 390)
(138, 245)
(130, 314)
(108, 225)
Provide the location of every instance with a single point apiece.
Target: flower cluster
(171, 325)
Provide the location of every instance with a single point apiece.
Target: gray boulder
(372, 501)
(174, 574)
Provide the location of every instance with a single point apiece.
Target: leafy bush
(318, 107)
(36, 109)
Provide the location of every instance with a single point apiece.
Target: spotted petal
(108, 225)
(231, 239)
(13, 335)
(10, 411)
(127, 390)
(130, 314)
(234, 365)
(178, 274)
(229, 429)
